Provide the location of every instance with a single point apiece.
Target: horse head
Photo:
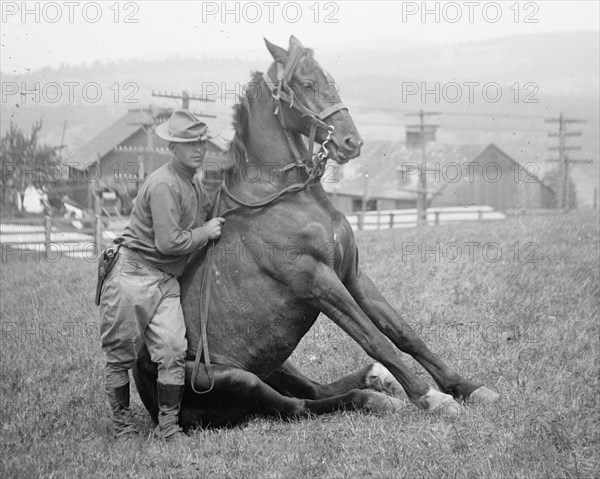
(299, 81)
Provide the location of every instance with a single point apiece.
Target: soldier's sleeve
(170, 238)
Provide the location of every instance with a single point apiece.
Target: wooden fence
(378, 220)
(53, 238)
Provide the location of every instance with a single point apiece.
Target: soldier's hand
(213, 228)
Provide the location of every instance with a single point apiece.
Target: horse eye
(307, 85)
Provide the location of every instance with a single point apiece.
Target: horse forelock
(307, 63)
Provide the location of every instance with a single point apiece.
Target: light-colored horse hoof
(482, 395)
(437, 402)
(379, 402)
(380, 379)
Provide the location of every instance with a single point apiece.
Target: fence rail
(378, 220)
(53, 238)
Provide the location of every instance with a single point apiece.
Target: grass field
(525, 323)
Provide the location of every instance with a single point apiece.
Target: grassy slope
(527, 329)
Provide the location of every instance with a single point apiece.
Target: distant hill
(561, 69)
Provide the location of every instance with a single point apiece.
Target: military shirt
(165, 223)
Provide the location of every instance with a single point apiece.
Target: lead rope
(205, 295)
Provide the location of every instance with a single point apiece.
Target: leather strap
(205, 298)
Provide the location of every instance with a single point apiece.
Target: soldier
(140, 297)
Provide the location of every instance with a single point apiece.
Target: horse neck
(266, 144)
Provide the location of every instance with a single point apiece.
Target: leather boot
(169, 403)
(123, 424)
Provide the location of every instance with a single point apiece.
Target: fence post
(360, 220)
(98, 222)
(391, 220)
(378, 220)
(47, 231)
(437, 217)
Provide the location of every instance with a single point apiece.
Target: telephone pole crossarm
(422, 188)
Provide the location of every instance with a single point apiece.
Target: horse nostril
(352, 144)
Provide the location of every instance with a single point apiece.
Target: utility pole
(422, 189)
(365, 199)
(563, 159)
(185, 98)
(145, 156)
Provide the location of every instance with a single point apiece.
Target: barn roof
(380, 161)
(118, 133)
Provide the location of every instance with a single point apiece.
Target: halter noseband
(281, 91)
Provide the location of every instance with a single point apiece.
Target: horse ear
(278, 53)
(294, 42)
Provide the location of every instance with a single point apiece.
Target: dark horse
(276, 267)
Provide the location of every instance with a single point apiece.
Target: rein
(314, 167)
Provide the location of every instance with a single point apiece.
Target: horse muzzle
(342, 151)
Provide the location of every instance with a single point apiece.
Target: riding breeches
(141, 303)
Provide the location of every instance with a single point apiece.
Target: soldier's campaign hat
(182, 127)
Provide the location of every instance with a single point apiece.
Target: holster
(107, 260)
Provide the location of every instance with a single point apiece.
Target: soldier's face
(190, 154)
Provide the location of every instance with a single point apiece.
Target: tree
(25, 161)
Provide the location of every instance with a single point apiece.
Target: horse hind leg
(343, 393)
(289, 381)
(237, 393)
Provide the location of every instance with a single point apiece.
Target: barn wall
(513, 188)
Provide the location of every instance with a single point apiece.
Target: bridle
(315, 167)
(282, 91)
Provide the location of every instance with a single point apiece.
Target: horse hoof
(482, 395)
(439, 403)
(380, 379)
(379, 402)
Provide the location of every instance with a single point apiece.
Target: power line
(185, 98)
(422, 194)
(563, 160)
(450, 127)
(450, 113)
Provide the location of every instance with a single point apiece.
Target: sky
(39, 34)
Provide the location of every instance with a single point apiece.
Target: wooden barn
(387, 176)
(121, 157)
(475, 175)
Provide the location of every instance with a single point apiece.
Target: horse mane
(237, 146)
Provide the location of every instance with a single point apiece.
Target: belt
(128, 253)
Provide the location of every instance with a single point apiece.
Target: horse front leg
(322, 289)
(381, 313)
